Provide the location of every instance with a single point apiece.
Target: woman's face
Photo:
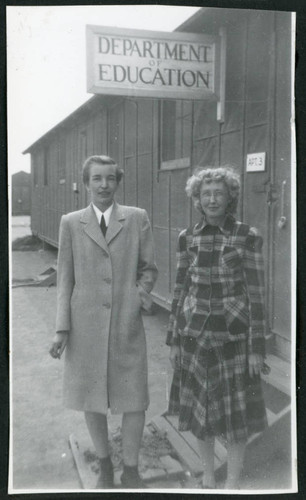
(214, 199)
(102, 185)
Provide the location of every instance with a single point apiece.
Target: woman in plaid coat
(217, 324)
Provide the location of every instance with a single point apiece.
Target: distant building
(21, 193)
(159, 141)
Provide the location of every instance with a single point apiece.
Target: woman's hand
(58, 344)
(255, 364)
(175, 357)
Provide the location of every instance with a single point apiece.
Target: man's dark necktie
(103, 225)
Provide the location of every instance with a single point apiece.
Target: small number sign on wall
(256, 162)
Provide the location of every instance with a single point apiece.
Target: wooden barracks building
(231, 105)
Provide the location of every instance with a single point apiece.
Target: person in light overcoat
(106, 271)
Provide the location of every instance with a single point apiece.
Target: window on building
(46, 165)
(62, 160)
(175, 127)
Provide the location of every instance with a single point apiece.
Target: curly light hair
(224, 174)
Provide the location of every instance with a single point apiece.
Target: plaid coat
(217, 319)
(220, 277)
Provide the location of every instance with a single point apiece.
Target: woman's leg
(98, 430)
(97, 427)
(132, 430)
(235, 457)
(207, 452)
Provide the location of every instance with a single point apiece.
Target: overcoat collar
(93, 230)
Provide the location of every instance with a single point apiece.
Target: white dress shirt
(106, 214)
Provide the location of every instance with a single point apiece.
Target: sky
(46, 60)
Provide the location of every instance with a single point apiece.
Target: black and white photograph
(152, 236)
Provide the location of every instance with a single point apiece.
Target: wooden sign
(152, 64)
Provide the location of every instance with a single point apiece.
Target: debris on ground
(47, 278)
(27, 243)
(153, 448)
(157, 459)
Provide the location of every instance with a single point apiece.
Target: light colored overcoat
(102, 283)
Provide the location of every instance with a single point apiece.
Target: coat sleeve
(180, 289)
(146, 270)
(65, 277)
(254, 277)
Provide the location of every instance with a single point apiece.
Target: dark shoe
(131, 479)
(106, 477)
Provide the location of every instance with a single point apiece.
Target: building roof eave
(89, 105)
(209, 19)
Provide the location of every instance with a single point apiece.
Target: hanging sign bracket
(222, 76)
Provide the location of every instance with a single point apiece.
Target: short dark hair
(102, 160)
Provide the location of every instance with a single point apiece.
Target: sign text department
(156, 64)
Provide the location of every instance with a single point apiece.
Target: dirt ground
(41, 459)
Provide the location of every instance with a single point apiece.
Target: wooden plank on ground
(88, 477)
(280, 364)
(273, 418)
(185, 452)
(280, 374)
(173, 467)
(220, 451)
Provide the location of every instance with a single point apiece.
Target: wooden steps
(280, 374)
(185, 444)
(277, 391)
(87, 476)
(180, 443)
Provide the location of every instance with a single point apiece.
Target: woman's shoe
(106, 477)
(131, 479)
(204, 484)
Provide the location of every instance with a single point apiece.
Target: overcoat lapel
(92, 228)
(115, 223)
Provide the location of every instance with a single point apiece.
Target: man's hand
(175, 357)
(58, 344)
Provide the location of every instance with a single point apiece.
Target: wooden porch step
(280, 374)
(276, 388)
(220, 450)
(87, 476)
(182, 446)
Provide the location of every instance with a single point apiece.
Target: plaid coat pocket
(236, 313)
(231, 257)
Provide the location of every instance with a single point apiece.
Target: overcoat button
(107, 305)
(107, 280)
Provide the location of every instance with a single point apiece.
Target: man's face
(102, 185)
